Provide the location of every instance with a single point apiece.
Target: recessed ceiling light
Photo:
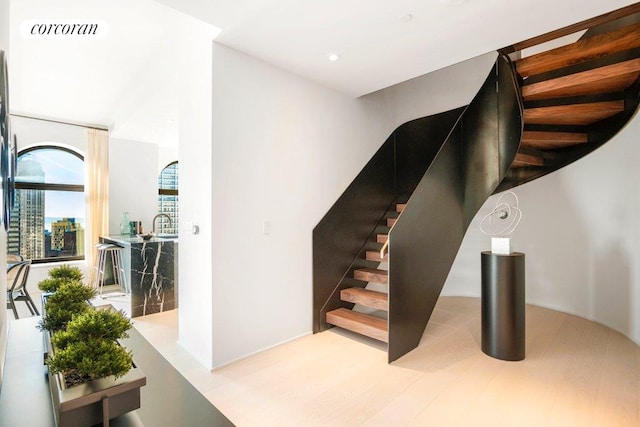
(333, 57)
(406, 17)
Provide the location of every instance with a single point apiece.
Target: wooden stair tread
(573, 114)
(371, 275)
(551, 140)
(366, 297)
(375, 256)
(608, 79)
(400, 207)
(537, 135)
(363, 324)
(583, 50)
(382, 238)
(391, 221)
(523, 160)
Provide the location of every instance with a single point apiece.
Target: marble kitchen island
(151, 271)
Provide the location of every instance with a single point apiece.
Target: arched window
(48, 221)
(168, 198)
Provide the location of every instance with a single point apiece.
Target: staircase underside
(571, 90)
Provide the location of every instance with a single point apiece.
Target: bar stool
(115, 252)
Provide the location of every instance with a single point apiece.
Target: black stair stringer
(467, 170)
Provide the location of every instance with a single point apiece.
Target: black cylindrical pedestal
(503, 328)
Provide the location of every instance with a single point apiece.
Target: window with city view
(48, 221)
(168, 198)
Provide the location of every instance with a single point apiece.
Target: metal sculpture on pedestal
(502, 221)
(503, 290)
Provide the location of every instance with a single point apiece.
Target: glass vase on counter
(125, 229)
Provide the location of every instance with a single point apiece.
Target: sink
(166, 236)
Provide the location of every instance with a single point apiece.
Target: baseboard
(222, 365)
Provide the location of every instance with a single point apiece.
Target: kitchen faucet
(153, 230)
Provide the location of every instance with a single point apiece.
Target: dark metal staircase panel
(428, 234)
(342, 237)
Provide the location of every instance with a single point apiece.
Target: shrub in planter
(51, 284)
(59, 275)
(88, 350)
(91, 377)
(69, 300)
(66, 272)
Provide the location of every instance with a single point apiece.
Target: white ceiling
(127, 80)
(377, 48)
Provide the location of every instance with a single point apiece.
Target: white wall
(166, 155)
(436, 92)
(194, 253)
(4, 25)
(37, 132)
(133, 183)
(284, 149)
(581, 236)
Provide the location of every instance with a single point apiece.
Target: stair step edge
(366, 297)
(371, 275)
(375, 256)
(361, 323)
(382, 238)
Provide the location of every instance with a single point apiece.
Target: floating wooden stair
(372, 275)
(575, 87)
(364, 324)
(375, 256)
(583, 50)
(608, 79)
(552, 140)
(573, 114)
(366, 297)
(523, 160)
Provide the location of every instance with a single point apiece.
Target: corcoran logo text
(62, 29)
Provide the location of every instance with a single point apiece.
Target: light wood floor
(576, 373)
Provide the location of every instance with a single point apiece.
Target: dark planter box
(95, 401)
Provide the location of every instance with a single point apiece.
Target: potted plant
(69, 298)
(59, 275)
(66, 271)
(92, 378)
(88, 349)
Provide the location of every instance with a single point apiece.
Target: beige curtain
(96, 193)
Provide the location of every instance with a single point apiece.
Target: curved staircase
(382, 253)
(570, 93)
